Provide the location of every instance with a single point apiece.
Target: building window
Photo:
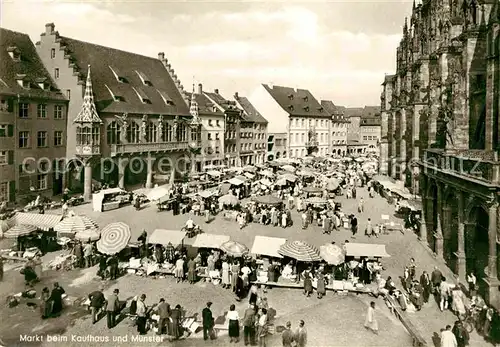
(24, 110)
(210, 123)
(41, 111)
(83, 136)
(209, 136)
(216, 136)
(152, 132)
(52, 53)
(217, 122)
(113, 133)
(182, 133)
(24, 139)
(167, 135)
(4, 191)
(68, 94)
(58, 138)
(4, 157)
(133, 133)
(56, 73)
(365, 138)
(41, 139)
(42, 181)
(58, 112)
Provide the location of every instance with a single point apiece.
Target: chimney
(216, 91)
(236, 95)
(200, 88)
(161, 56)
(49, 28)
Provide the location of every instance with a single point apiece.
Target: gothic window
(83, 136)
(152, 132)
(167, 134)
(96, 135)
(113, 132)
(133, 133)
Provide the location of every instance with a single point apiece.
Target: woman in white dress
(370, 321)
(226, 278)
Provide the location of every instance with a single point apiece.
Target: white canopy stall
(268, 246)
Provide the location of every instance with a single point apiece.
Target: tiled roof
(250, 113)
(205, 106)
(367, 111)
(227, 105)
(297, 102)
(109, 65)
(336, 112)
(29, 67)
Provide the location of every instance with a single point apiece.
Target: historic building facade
(213, 122)
(298, 114)
(258, 129)
(370, 133)
(444, 105)
(338, 137)
(33, 115)
(128, 123)
(232, 138)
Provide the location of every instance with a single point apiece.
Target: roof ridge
(108, 48)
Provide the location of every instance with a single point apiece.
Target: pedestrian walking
(301, 335)
(262, 328)
(249, 325)
(287, 337)
(436, 278)
(142, 312)
(461, 334)
(97, 301)
(234, 324)
(447, 338)
(370, 321)
(164, 315)
(112, 308)
(208, 322)
(354, 225)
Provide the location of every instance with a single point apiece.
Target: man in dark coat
(164, 314)
(56, 298)
(287, 337)
(249, 325)
(425, 282)
(113, 267)
(208, 321)
(436, 278)
(354, 225)
(96, 303)
(461, 334)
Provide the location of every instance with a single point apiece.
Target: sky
(340, 50)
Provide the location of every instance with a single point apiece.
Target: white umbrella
(157, 193)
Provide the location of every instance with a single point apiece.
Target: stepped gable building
(212, 121)
(233, 143)
(297, 113)
(338, 139)
(33, 115)
(442, 111)
(134, 127)
(257, 129)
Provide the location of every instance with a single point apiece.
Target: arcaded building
(442, 111)
(129, 120)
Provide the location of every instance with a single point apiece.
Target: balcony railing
(478, 164)
(149, 147)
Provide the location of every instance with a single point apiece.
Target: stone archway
(450, 227)
(75, 176)
(477, 244)
(136, 171)
(106, 171)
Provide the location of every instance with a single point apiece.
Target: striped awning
(44, 222)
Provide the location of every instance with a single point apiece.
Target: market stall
(267, 246)
(369, 250)
(44, 222)
(157, 193)
(234, 248)
(70, 226)
(109, 199)
(211, 241)
(164, 237)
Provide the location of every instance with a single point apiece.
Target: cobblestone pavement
(325, 329)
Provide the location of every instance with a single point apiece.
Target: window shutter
(12, 191)
(10, 130)
(10, 157)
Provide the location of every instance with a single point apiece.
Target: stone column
(460, 253)
(438, 235)
(492, 282)
(149, 176)
(87, 185)
(402, 146)
(446, 225)
(122, 164)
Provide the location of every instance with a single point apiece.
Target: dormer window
(306, 98)
(21, 80)
(290, 107)
(142, 96)
(118, 75)
(290, 96)
(306, 108)
(145, 79)
(42, 83)
(214, 109)
(14, 53)
(115, 96)
(166, 99)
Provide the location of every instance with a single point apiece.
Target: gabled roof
(107, 62)
(205, 106)
(250, 113)
(336, 112)
(367, 111)
(296, 102)
(29, 66)
(227, 105)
